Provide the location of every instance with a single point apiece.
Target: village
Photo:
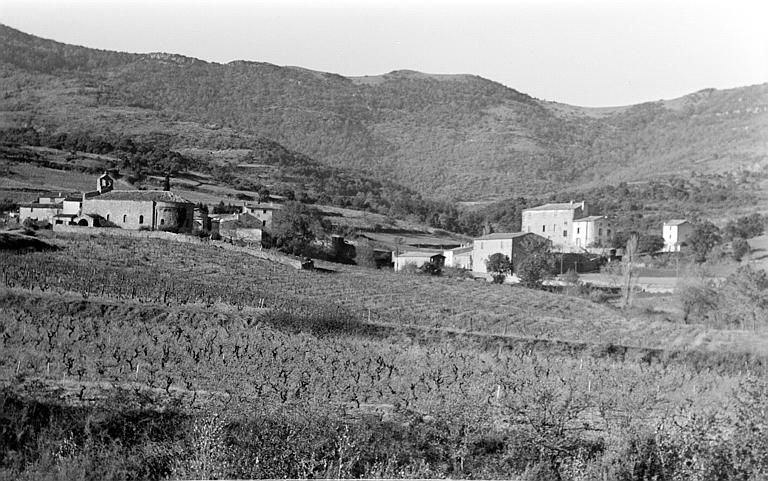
(581, 237)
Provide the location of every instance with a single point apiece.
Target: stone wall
(126, 214)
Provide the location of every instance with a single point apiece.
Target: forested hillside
(457, 137)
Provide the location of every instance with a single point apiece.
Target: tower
(105, 183)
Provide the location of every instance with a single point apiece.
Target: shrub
(533, 269)
(499, 266)
(739, 248)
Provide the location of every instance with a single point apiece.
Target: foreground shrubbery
(46, 441)
(741, 301)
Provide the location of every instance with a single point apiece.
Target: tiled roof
(590, 218)
(269, 206)
(561, 206)
(38, 205)
(503, 235)
(142, 195)
(421, 254)
(462, 250)
(675, 222)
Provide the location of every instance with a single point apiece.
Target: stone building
(418, 259)
(592, 231)
(262, 211)
(137, 209)
(568, 225)
(515, 245)
(460, 257)
(676, 233)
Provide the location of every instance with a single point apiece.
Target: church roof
(142, 196)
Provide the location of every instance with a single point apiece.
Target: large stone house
(591, 231)
(515, 245)
(569, 226)
(676, 233)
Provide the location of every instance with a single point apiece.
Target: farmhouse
(263, 212)
(595, 230)
(569, 226)
(515, 245)
(44, 209)
(460, 257)
(676, 233)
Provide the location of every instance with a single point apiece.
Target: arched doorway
(83, 223)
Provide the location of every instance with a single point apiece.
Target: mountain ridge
(451, 136)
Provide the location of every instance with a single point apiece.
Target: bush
(739, 248)
(534, 268)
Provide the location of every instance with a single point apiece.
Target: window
(162, 221)
(141, 219)
(608, 232)
(264, 211)
(107, 216)
(543, 228)
(565, 233)
(600, 232)
(578, 229)
(125, 218)
(263, 223)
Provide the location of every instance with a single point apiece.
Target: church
(106, 207)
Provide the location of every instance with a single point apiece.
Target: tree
(650, 243)
(745, 227)
(705, 236)
(499, 266)
(296, 226)
(534, 268)
(630, 254)
(365, 254)
(619, 240)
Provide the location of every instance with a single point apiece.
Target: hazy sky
(583, 52)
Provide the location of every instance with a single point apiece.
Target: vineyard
(186, 361)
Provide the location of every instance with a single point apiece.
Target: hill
(461, 137)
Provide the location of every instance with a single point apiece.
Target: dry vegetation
(147, 359)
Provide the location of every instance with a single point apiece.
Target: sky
(581, 52)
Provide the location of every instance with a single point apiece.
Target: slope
(452, 136)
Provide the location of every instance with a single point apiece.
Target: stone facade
(555, 222)
(592, 231)
(263, 212)
(515, 245)
(154, 210)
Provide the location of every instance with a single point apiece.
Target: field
(217, 364)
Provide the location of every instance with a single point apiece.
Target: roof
(675, 222)
(560, 206)
(462, 250)
(269, 206)
(590, 218)
(142, 196)
(38, 205)
(420, 254)
(504, 235)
